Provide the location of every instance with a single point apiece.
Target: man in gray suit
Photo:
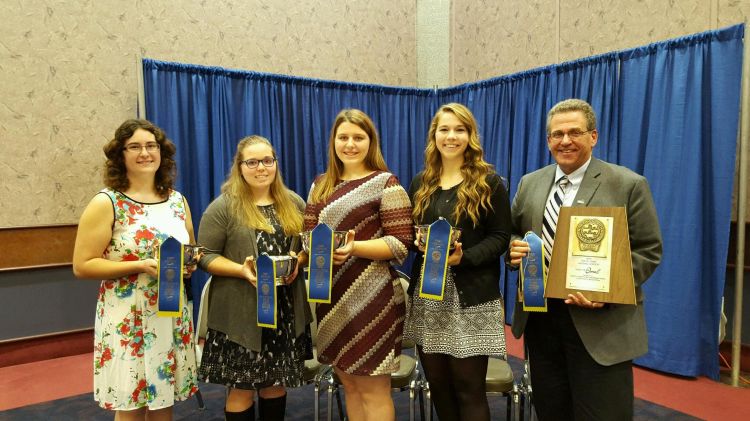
(580, 351)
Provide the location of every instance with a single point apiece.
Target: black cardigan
(477, 277)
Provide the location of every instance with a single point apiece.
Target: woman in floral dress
(359, 332)
(143, 363)
(255, 213)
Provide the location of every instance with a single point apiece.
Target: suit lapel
(539, 199)
(591, 181)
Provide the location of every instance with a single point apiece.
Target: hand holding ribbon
(149, 266)
(248, 271)
(518, 250)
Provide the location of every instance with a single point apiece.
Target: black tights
(457, 386)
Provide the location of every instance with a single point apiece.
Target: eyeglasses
(137, 147)
(253, 163)
(572, 135)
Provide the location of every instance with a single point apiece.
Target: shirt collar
(576, 177)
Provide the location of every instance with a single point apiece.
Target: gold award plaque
(589, 253)
(590, 233)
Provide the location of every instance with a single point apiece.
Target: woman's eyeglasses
(137, 147)
(253, 163)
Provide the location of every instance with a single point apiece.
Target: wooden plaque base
(621, 287)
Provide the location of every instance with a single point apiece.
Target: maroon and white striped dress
(360, 331)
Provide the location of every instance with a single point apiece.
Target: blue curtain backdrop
(668, 111)
(678, 103)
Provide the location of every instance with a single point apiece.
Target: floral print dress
(141, 359)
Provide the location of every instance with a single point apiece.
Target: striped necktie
(550, 217)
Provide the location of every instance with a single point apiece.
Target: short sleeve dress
(141, 359)
(360, 331)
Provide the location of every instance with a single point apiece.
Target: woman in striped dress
(360, 331)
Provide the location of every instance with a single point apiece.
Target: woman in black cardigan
(456, 335)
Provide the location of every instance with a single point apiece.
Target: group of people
(580, 351)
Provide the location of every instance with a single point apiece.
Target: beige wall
(68, 72)
(68, 68)
(492, 37)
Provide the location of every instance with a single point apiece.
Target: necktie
(550, 217)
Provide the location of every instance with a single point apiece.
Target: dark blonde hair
(242, 202)
(474, 192)
(373, 161)
(115, 173)
(572, 105)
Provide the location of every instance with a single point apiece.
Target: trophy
(191, 254)
(339, 239)
(421, 231)
(283, 267)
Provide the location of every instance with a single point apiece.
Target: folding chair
(201, 328)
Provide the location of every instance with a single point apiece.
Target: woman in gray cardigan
(255, 213)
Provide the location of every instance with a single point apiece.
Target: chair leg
(199, 398)
(329, 414)
(517, 404)
(421, 404)
(317, 401)
(529, 405)
(412, 400)
(508, 403)
(428, 402)
(342, 415)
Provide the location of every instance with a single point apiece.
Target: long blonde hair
(242, 201)
(373, 160)
(474, 192)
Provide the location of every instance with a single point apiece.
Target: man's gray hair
(570, 105)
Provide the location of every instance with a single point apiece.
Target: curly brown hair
(115, 173)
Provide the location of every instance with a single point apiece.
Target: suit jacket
(617, 332)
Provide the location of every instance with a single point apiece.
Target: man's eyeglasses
(572, 135)
(137, 147)
(253, 163)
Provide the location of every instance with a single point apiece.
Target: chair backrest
(201, 328)
(404, 278)
(313, 324)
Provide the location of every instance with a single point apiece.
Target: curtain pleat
(667, 110)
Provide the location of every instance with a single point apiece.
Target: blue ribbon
(265, 271)
(533, 275)
(320, 266)
(169, 278)
(436, 260)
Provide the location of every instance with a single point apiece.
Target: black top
(477, 277)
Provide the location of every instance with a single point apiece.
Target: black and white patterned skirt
(280, 362)
(444, 327)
